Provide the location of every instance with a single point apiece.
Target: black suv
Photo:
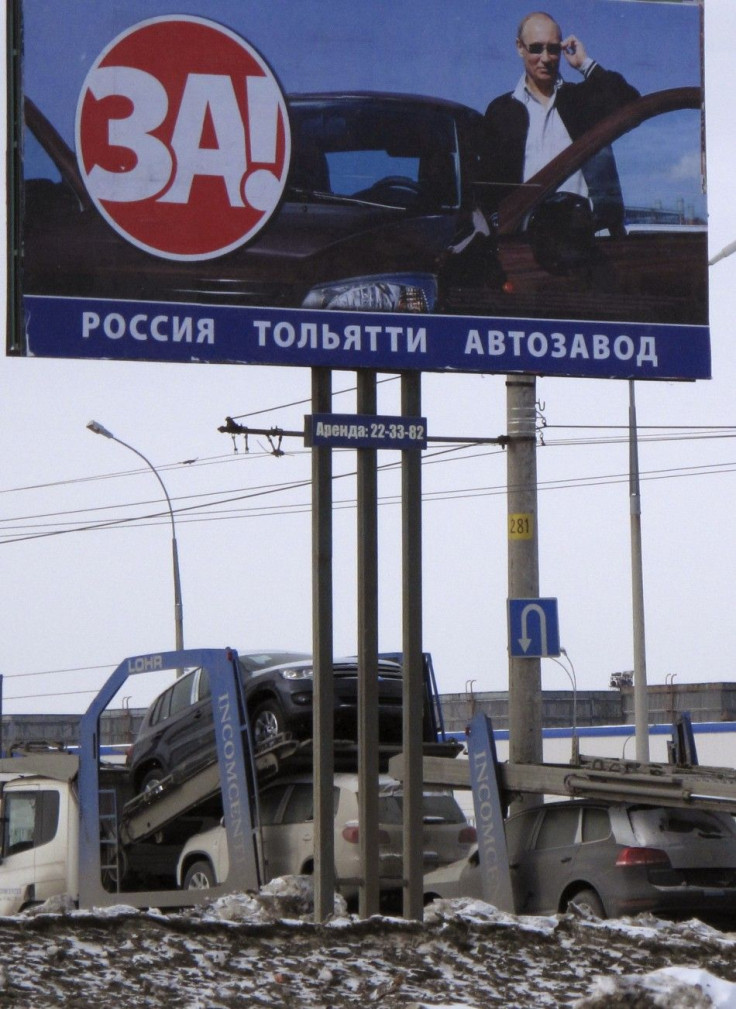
(178, 728)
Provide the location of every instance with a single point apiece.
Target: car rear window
(436, 808)
(652, 823)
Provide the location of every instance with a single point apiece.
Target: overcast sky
(75, 600)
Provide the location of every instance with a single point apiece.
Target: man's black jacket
(580, 107)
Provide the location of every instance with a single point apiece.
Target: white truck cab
(40, 826)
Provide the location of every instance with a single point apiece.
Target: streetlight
(574, 681)
(97, 428)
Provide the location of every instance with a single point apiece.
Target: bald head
(550, 21)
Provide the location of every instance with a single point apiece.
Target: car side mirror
(561, 233)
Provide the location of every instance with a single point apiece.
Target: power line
(55, 672)
(451, 494)
(307, 400)
(62, 693)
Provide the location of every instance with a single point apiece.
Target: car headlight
(383, 293)
(303, 673)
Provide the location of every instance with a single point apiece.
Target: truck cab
(40, 825)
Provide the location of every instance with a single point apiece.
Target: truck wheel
(199, 876)
(588, 900)
(267, 722)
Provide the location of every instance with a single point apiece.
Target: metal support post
(368, 736)
(324, 708)
(411, 497)
(641, 698)
(525, 674)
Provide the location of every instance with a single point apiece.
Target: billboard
(385, 185)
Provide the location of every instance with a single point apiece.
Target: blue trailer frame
(237, 779)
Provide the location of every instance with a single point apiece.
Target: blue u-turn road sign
(534, 631)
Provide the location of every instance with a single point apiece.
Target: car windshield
(254, 662)
(374, 152)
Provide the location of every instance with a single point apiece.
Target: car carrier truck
(71, 825)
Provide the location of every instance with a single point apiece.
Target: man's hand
(574, 51)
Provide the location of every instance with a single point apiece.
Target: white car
(287, 835)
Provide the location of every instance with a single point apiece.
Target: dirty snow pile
(264, 950)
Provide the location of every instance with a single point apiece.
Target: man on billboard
(529, 126)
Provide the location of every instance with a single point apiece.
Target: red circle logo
(183, 138)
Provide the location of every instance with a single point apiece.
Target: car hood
(340, 666)
(324, 241)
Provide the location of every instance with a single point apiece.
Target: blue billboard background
(464, 55)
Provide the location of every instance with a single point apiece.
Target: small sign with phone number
(343, 430)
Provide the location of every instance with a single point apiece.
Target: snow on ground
(249, 950)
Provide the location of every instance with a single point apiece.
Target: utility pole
(641, 697)
(525, 674)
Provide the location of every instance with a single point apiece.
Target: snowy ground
(263, 950)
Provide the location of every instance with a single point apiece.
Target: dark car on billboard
(178, 731)
(374, 197)
(384, 210)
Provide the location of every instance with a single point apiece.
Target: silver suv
(615, 858)
(287, 835)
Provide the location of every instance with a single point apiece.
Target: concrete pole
(641, 697)
(525, 675)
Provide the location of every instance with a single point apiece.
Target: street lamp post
(97, 428)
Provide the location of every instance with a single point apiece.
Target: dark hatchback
(178, 728)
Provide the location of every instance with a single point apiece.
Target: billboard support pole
(323, 711)
(641, 699)
(525, 674)
(411, 504)
(368, 764)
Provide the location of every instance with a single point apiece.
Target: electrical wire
(668, 433)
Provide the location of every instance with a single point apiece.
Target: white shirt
(547, 135)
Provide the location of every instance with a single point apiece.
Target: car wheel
(267, 722)
(199, 876)
(588, 900)
(151, 779)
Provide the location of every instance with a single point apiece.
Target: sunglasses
(537, 48)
